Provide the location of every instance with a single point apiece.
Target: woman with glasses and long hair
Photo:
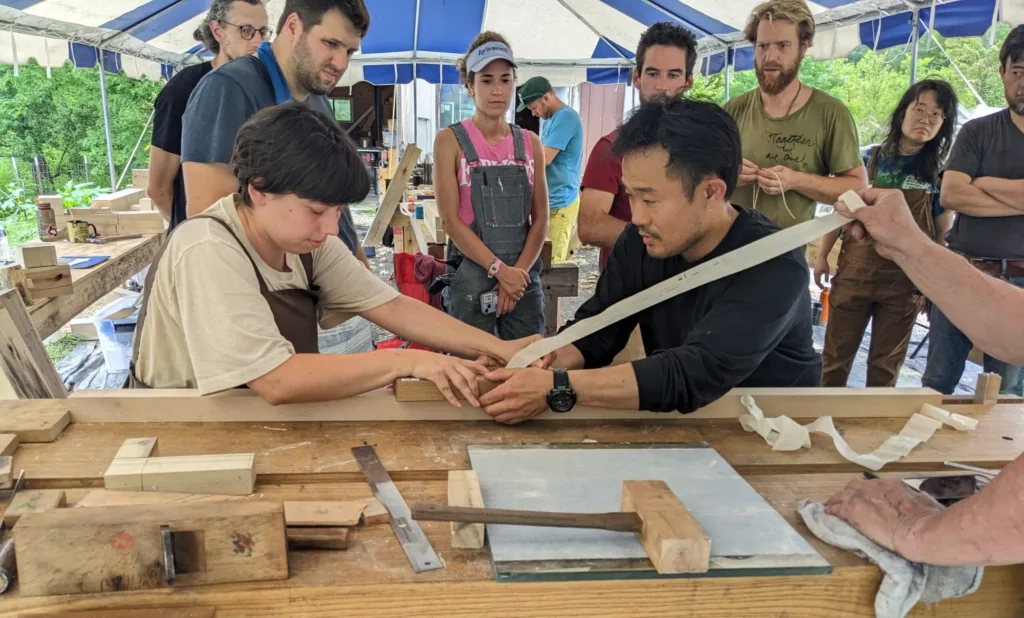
(868, 287)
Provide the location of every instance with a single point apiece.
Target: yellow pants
(560, 230)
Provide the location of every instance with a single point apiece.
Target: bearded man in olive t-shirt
(799, 144)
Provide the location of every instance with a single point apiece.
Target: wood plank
(67, 551)
(318, 538)
(672, 537)
(127, 257)
(39, 420)
(242, 405)
(375, 513)
(202, 474)
(35, 255)
(392, 197)
(137, 447)
(125, 473)
(8, 443)
(151, 612)
(464, 490)
(321, 513)
(84, 328)
(27, 369)
(986, 391)
(107, 497)
(33, 501)
(561, 280)
(413, 390)
(119, 200)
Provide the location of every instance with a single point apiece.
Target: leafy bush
(18, 215)
(80, 195)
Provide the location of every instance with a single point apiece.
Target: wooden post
(27, 372)
(673, 538)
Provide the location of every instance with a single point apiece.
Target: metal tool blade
(410, 536)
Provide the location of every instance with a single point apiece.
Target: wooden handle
(618, 522)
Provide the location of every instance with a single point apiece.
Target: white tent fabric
(570, 41)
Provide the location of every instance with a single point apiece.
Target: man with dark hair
(984, 185)
(800, 145)
(681, 159)
(314, 43)
(665, 59)
(231, 29)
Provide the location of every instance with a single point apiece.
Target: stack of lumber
(119, 200)
(117, 223)
(37, 273)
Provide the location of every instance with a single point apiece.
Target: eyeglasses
(248, 31)
(922, 113)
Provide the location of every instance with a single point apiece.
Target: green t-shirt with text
(819, 138)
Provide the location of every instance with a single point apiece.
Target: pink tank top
(501, 154)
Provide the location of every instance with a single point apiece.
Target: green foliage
(62, 346)
(18, 214)
(81, 194)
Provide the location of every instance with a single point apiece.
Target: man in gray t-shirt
(984, 185)
(316, 55)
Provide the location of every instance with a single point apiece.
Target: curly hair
(488, 36)
(219, 10)
(794, 11)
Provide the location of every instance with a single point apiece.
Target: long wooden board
(242, 405)
(26, 371)
(392, 197)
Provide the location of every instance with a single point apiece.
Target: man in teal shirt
(561, 134)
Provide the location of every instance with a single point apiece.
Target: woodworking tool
(616, 522)
(410, 536)
(983, 471)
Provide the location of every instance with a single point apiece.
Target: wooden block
(125, 473)
(56, 202)
(84, 328)
(464, 490)
(672, 537)
(413, 389)
(986, 390)
(42, 281)
(318, 538)
(375, 514)
(8, 443)
(68, 551)
(191, 611)
(35, 255)
(107, 497)
(33, 501)
(303, 513)
(561, 280)
(140, 178)
(96, 216)
(6, 470)
(146, 204)
(137, 447)
(34, 420)
(202, 474)
(119, 200)
(82, 211)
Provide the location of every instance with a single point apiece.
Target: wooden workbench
(373, 578)
(127, 257)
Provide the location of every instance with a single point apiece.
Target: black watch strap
(561, 377)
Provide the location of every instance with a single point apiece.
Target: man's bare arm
(163, 168)
(960, 195)
(596, 226)
(550, 154)
(1007, 192)
(205, 183)
(827, 189)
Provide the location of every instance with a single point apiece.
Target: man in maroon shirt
(664, 67)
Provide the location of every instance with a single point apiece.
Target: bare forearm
(608, 387)
(984, 530)
(415, 321)
(1009, 193)
(825, 189)
(205, 183)
(534, 243)
(970, 200)
(979, 305)
(600, 229)
(307, 378)
(163, 199)
(568, 357)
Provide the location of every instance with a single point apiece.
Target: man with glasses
(984, 185)
(315, 41)
(231, 29)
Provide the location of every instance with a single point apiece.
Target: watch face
(561, 402)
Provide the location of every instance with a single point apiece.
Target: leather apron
(294, 310)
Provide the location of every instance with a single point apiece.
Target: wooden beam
(191, 611)
(392, 197)
(35, 255)
(323, 513)
(242, 405)
(464, 490)
(27, 369)
(9, 442)
(986, 390)
(672, 537)
(412, 389)
(33, 501)
(108, 497)
(68, 551)
(137, 447)
(562, 280)
(201, 474)
(35, 420)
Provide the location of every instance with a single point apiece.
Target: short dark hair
(672, 35)
(311, 13)
(219, 10)
(294, 149)
(701, 139)
(1013, 47)
(933, 155)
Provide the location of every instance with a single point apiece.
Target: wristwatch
(492, 270)
(561, 398)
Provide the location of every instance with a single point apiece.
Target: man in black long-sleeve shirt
(681, 162)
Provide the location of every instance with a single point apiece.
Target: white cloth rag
(905, 583)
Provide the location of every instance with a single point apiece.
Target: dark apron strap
(873, 163)
(519, 141)
(465, 142)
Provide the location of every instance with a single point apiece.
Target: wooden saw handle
(618, 522)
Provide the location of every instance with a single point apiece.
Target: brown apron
(868, 287)
(294, 310)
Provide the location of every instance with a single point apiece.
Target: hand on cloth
(886, 512)
(522, 395)
(886, 223)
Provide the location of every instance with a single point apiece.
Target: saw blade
(410, 536)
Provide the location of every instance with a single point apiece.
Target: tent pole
(106, 121)
(914, 40)
(728, 67)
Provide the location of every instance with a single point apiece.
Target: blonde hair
(794, 11)
(488, 36)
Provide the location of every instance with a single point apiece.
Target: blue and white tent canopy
(569, 41)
